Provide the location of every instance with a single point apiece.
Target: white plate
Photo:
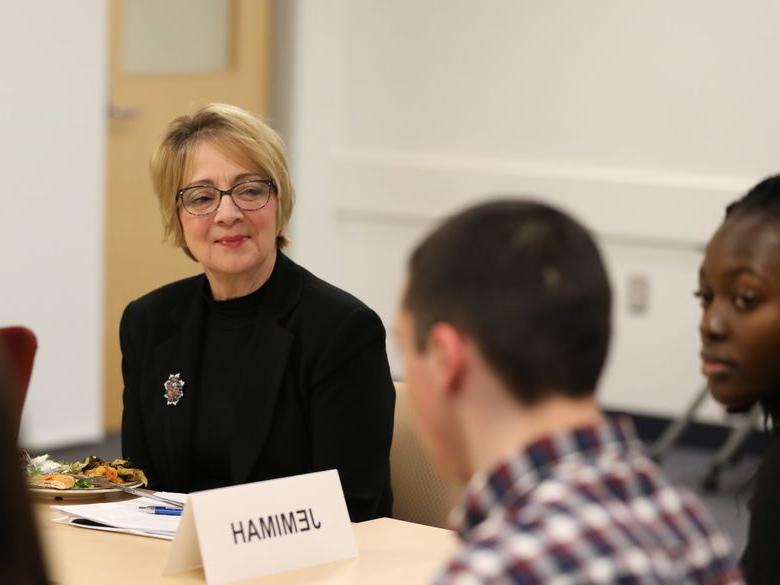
(77, 494)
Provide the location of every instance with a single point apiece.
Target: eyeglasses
(205, 199)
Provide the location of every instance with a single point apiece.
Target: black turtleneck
(228, 328)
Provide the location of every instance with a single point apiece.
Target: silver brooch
(173, 389)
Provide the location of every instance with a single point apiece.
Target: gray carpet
(110, 448)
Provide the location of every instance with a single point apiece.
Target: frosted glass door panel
(176, 36)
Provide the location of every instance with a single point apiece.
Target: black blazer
(760, 561)
(317, 393)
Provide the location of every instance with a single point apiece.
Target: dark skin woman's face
(739, 288)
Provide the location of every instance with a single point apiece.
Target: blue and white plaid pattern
(583, 508)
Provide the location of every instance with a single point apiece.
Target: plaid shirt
(586, 507)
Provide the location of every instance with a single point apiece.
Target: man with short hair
(504, 329)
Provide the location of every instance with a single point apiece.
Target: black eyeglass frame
(271, 185)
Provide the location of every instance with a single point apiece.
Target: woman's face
(739, 287)
(236, 248)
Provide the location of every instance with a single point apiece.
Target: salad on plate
(45, 472)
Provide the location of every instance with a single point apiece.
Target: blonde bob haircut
(241, 136)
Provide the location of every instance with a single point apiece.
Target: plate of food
(88, 478)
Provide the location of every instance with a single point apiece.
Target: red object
(19, 346)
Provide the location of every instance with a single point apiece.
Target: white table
(390, 551)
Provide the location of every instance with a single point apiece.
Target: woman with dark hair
(21, 561)
(739, 288)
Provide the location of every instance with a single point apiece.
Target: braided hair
(763, 199)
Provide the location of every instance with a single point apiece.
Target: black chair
(742, 426)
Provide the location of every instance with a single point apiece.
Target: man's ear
(447, 351)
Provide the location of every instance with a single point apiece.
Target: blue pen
(160, 510)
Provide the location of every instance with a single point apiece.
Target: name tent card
(261, 528)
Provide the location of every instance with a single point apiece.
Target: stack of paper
(123, 517)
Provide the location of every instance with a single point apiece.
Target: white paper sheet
(125, 516)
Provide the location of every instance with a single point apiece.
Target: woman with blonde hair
(255, 369)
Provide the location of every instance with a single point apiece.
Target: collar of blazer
(269, 348)
(283, 291)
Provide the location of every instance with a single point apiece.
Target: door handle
(120, 112)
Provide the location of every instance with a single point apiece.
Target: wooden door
(142, 105)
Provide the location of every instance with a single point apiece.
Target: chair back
(18, 345)
(419, 495)
(21, 559)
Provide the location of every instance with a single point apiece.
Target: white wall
(641, 118)
(52, 141)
